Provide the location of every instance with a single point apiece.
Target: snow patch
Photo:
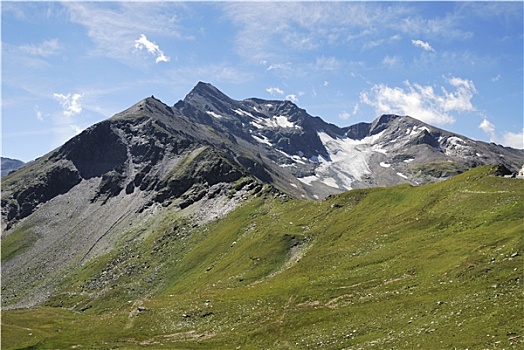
(283, 122)
(402, 175)
(297, 159)
(262, 139)
(408, 160)
(331, 182)
(273, 122)
(308, 179)
(377, 148)
(241, 112)
(347, 161)
(385, 165)
(456, 140)
(216, 115)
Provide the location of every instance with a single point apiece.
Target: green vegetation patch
(17, 242)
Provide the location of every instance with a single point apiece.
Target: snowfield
(348, 160)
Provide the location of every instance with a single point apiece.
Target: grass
(17, 243)
(431, 267)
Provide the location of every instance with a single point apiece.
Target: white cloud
(392, 61)
(508, 138)
(395, 37)
(292, 97)
(422, 102)
(151, 47)
(513, 139)
(114, 27)
(444, 27)
(327, 63)
(75, 128)
(44, 49)
(489, 129)
(497, 78)
(70, 103)
(278, 66)
(275, 91)
(373, 43)
(356, 109)
(38, 113)
(422, 44)
(459, 100)
(305, 25)
(344, 115)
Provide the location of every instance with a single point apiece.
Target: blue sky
(455, 65)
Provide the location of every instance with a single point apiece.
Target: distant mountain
(8, 165)
(202, 158)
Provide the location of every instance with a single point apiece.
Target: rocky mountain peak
(382, 123)
(206, 96)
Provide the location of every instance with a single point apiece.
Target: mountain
(436, 266)
(136, 206)
(8, 165)
(152, 153)
(327, 159)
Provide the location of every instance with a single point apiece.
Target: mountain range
(124, 206)
(8, 165)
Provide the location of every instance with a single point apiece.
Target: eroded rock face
(47, 185)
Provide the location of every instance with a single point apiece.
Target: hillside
(437, 266)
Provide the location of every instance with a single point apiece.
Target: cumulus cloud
(274, 91)
(513, 139)
(152, 48)
(422, 102)
(488, 128)
(508, 138)
(459, 100)
(44, 49)
(422, 44)
(70, 103)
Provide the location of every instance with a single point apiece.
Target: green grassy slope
(431, 267)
